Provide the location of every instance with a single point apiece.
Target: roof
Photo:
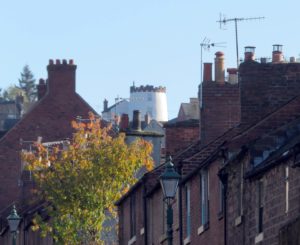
(114, 105)
(186, 123)
(189, 110)
(285, 114)
(196, 156)
(276, 147)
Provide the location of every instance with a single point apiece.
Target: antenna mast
(206, 45)
(223, 21)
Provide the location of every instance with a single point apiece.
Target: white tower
(149, 100)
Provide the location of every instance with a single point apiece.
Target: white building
(149, 100)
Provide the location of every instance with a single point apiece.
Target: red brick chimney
(124, 124)
(219, 67)
(277, 55)
(61, 77)
(41, 88)
(207, 75)
(249, 53)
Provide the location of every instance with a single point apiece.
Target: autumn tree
(83, 181)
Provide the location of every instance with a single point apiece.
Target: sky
(157, 42)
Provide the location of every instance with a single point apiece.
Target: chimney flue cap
(249, 49)
(219, 54)
(277, 48)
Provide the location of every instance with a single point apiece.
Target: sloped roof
(189, 111)
(195, 156)
(284, 115)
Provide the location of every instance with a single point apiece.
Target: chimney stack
(249, 53)
(41, 89)
(277, 55)
(124, 124)
(61, 77)
(136, 122)
(105, 105)
(207, 75)
(219, 67)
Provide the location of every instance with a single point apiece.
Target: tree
(27, 83)
(83, 181)
(12, 92)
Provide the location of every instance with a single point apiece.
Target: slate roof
(192, 158)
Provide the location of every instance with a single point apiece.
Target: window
(132, 216)
(260, 206)
(187, 191)
(204, 197)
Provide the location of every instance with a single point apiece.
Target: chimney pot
(51, 62)
(41, 89)
(277, 55)
(136, 122)
(64, 62)
(219, 67)
(232, 75)
(292, 59)
(71, 62)
(249, 53)
(57, 62)
(207, 75)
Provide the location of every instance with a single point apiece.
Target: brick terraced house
(49, 120)
(240, 172)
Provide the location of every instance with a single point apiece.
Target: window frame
(204, 197)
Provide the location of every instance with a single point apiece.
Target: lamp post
(13, 222)
(169, 183)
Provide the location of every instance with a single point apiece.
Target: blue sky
(153, 42)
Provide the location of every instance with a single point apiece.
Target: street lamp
(13, 222)
(169, 183)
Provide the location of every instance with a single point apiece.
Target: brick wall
(274, 198)
(220, 109)
(180, 135)
(266, 87)
(214, 232)
(50, 118)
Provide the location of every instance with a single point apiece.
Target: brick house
(240, 179)
(48, 120)
(261, 163)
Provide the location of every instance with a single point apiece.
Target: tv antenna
(206, 45)
(223, 21)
